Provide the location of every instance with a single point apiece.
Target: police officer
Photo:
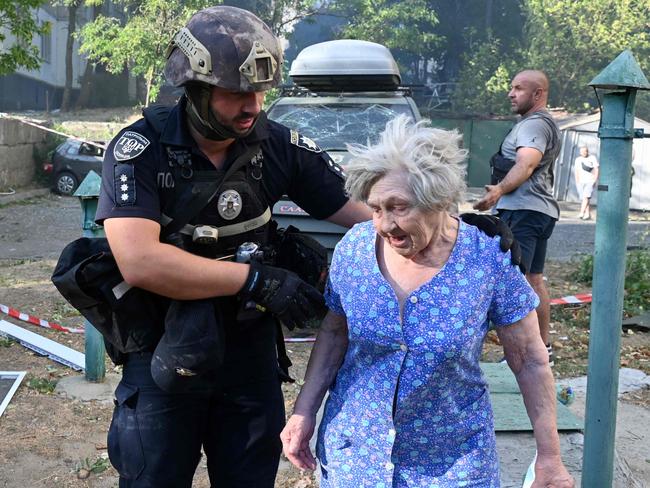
(226, 59)
(180, 188)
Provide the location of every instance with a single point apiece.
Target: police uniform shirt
(137, 180)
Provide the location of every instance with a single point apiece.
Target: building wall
(42, 89)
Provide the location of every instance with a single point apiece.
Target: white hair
(432, 159)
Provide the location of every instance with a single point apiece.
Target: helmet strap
(202, 118)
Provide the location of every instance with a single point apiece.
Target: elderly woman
(410, 295)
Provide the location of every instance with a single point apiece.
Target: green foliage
(485, 80)
(573, 40)
(6, 341)
(406, 28)
(637, 280)
(42, 385)
(42, 153)
(140, 44)
(17, 19)
(96, 466)
(279, 15)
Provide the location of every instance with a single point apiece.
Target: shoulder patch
(333, 166)
(130, 145)
(124, 184)
(304, 142)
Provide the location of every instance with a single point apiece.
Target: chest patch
(129, 146)
(124, 185)
(304, 142)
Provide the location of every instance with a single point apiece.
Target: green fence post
(620, 81)
(88, 194)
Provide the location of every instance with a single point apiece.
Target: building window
(46, 46)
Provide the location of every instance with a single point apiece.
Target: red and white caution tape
(47, 129)
(572, 299)
(36, 321)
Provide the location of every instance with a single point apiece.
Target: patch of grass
(6, 341)
(42, 385)
(96, 466)
(637, 280)
(63, 311)
(24, 202)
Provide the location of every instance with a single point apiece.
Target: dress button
(403, 347)
(389, 466)
(391, 433)
(414, 299)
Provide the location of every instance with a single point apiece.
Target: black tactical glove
(494, 226)
(283, 294)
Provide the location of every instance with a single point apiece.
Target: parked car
(345, 91)
(71, 162)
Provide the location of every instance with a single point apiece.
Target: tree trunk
(69, 44)
(86, 81)
(488, 18)
(149, 82)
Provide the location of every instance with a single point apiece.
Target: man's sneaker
(551, 357)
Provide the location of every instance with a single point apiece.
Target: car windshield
(332, 125)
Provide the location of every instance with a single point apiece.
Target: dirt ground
(52, 441)
(47, 440)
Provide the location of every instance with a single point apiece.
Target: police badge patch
(124, 185)
(304, 142)
(130, 145)
(229, 204)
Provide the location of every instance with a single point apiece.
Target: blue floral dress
(409, 407)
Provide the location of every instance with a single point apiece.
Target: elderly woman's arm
(528, 359)
(324, 362)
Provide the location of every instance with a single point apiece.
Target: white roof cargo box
(346, 65)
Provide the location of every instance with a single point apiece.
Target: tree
(140, 43)
(17, 18)
(573, 40)
(279, 15)
(466, 24)
(406, 28)
(484, 80)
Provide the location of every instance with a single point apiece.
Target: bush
(43, 153)
(637, 280)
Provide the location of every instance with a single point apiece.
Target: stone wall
(17, 142)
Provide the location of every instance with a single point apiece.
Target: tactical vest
(212, 212)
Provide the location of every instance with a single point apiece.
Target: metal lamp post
(620, 80)
(88, 194)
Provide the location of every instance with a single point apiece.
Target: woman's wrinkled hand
(551, 473)
(295, 441)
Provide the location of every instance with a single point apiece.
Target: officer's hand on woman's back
(283, 294)
(493, 226)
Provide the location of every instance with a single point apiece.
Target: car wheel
(66, 183)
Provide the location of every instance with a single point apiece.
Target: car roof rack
(300, 91)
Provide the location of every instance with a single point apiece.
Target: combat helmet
(226, 47)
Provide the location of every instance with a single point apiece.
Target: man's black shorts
(532, 230)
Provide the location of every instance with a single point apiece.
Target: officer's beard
(205, 121)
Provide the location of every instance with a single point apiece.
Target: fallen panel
(508, 404)
(640, 321)
(9, 383)
(42, 345)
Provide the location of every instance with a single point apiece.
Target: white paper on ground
(530, 474)
(43, 345)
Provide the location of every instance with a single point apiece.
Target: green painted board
(508, 404)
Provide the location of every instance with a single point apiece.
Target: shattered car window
(332, 125)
